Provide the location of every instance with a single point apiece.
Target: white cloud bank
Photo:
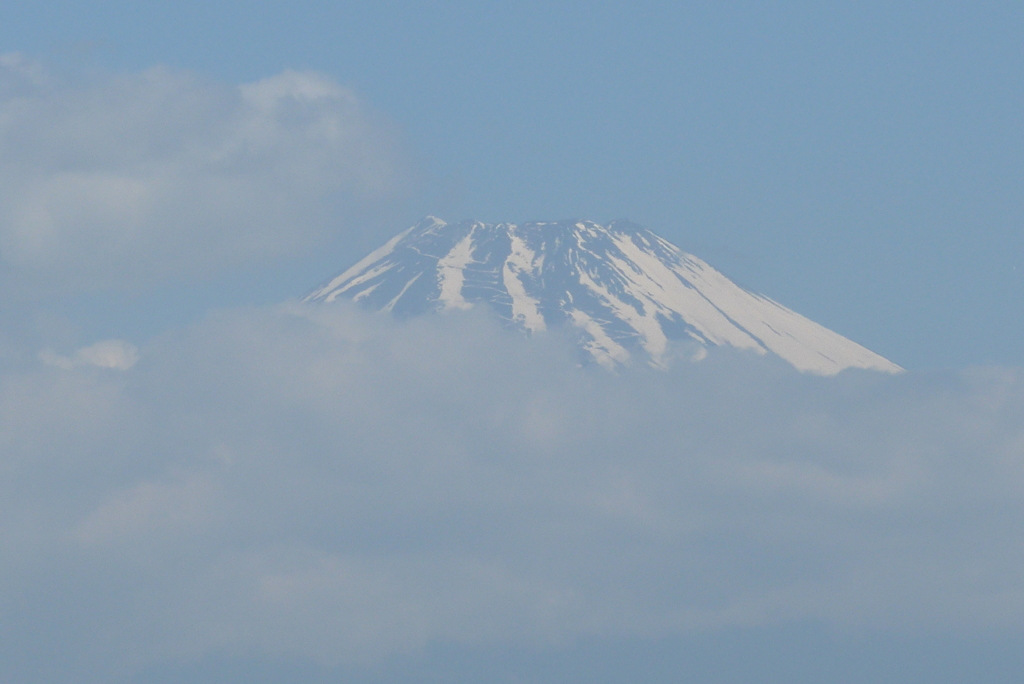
(125, 179)
(321, 484)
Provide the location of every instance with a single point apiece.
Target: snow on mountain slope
(628, 291)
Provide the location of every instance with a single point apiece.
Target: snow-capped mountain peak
(628, 291)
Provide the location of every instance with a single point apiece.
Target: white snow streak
(652, 337)
(798, 340)
(391, 305)
(365, 293)
(652, 282)
(524, 307)
(360, 279)
(604, 349)
(329, 291)
(450, 275)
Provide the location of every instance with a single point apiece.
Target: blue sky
(860, 162)
(202, 480)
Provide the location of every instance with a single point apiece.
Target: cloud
(321, 484)
(127, 179)
(145, 509)
(113, 354)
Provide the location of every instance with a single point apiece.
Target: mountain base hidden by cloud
(325, 490)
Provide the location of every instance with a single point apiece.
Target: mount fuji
(628, 292)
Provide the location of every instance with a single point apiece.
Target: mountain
(628, 292)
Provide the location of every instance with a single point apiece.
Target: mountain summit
(628, 291)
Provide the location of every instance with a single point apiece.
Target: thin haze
(205, 481)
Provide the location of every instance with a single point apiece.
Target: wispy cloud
(114, 354)
(124, 179)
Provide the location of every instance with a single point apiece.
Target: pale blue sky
(859, 161)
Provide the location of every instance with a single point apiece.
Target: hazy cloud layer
(321, 484)
(122, 179)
